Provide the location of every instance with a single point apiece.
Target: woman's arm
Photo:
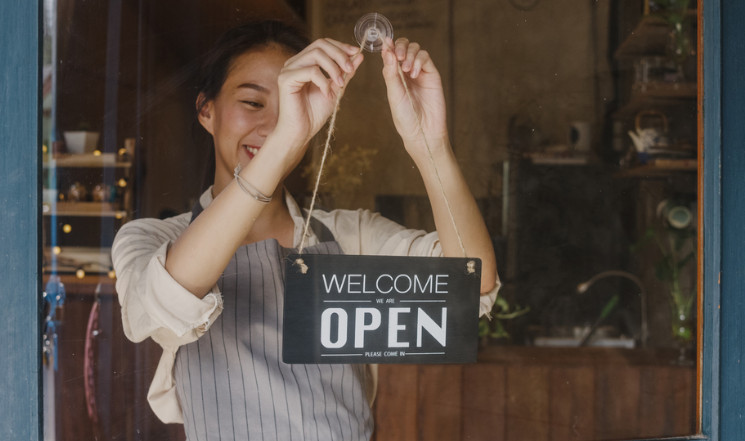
(152, 304)
(308, 85)
(421, 122)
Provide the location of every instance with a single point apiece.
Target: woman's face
(245, 110)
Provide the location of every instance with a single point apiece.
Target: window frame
(20, 180)
(721, 377)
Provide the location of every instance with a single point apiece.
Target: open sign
(381, 309)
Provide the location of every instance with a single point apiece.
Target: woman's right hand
(308, 87)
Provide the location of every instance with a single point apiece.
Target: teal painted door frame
(728, 326)
(20, 128)
(723, 313)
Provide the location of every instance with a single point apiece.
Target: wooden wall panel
(653, 415)
(439, 402)
(396, 402)
(483, 401)
(527, 413)
(683, 400)
(531, 394)
(667, 396)
(617, 395)
(572, 411)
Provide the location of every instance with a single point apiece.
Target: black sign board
(381, 309)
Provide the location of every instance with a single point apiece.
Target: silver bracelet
(248, 188)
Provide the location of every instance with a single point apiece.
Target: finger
(327, 48)
(388, 44)
(331, 67)
(340, 52)
(318, 58)
(411, 52)
(392, 75)
(356, 62)
(401, 48)
(390, 62)
(351, 50)
(422, 62)
(296, 79)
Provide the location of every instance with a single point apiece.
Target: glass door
(575, 125)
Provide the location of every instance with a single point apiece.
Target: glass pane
(575, 127)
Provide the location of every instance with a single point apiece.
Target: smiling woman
(207, 285)
(244, 113)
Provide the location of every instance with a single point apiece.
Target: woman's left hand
(425, 87)
(421, 122)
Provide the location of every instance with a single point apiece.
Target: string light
(56, 250)
(96, 152)
(80, 273)
(122, 182)
(112, 274)
(66, 228)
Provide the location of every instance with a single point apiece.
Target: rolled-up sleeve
(487, 299)
(153, 304)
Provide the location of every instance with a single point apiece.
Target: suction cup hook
(370, 31)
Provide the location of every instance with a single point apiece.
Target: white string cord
(326, 148)
(332, 123)
(432, 162)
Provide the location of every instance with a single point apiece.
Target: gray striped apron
(232, 383)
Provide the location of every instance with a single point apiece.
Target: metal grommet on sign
(471, 266)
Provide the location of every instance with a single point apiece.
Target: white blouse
(154, 305)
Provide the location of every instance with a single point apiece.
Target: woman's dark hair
(229, 46)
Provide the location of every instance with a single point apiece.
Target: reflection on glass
(576, 128)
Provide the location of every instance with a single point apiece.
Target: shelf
(658, 95)
(564, 158)
(86, 160)
(83, 209)
(74, 257)
(90, 285)
(663, 90)
(658, 168)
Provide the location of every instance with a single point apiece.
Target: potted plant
(675, 238)
(681, 45)
(491, 326)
